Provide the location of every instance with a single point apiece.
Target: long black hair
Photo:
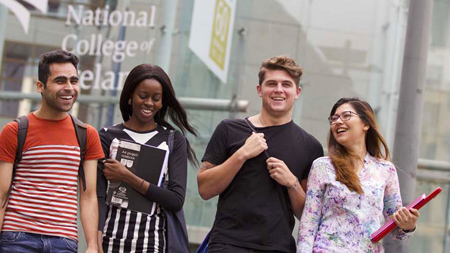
(342, 159)
(171, 106)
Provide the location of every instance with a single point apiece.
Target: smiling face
(61, 90)
(349, 133)
(278, 92)
(146, 101)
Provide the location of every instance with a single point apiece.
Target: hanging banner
(211, 34)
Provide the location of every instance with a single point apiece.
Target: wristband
(142, 183)
(295, 185)
(408, 230)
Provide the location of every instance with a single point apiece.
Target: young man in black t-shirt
(259, 166)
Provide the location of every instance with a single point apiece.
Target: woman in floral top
(355, 189)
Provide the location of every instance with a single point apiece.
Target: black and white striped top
(126, 230)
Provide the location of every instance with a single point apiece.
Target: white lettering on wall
(96, 45)
(95, 80)
(103, 17)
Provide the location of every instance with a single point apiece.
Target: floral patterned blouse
(336, 219)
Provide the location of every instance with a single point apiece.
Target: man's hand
(114, 170)
(214, 179)
(253, 146)
(280, 172)
(406, 219)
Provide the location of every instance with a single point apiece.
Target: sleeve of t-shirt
(8, 140)
(172, 198)
(216, 151)
(315, 151)
(102, 182)
(93, 147)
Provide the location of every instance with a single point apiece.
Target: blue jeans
(228, 248)
(35, 243)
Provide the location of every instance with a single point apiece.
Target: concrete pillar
(410, 106)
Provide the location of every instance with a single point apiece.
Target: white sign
(22, 13)
(211, 34)
(97, 45)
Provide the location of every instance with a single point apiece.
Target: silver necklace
(260, 121)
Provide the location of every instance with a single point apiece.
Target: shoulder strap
(170, 145)
(176, 232)
(280, 192)
(22, 128)
(81, 132)
(247, 121)
(170, 140)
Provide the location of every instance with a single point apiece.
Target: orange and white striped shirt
(43, 198)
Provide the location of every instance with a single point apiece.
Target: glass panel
(430, 234)
(347, 48)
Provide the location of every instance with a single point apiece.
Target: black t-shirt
(249, 212)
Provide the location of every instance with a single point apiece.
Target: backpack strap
(22, 128)
(170, 145)
(289, 218)
(170, 140)
(81, 132)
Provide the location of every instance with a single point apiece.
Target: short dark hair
(55, 56)
(281, 63)
(171, 105)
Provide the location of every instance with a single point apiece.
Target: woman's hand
(406, 219)
(114, 170)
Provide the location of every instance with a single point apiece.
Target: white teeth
(66, 97)
(278, 99)
(340, 130)
(146, 111)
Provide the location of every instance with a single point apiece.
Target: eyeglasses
(345, 116)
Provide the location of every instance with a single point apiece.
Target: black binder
(146, 162)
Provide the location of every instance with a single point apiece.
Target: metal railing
(432, 171)
(212, 104)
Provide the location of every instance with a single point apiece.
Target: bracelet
(295, 185)
(408, 230)
(142, 183)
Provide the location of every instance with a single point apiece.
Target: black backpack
(80, 130)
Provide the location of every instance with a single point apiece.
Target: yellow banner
(219, 36)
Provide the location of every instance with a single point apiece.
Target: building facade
(346, 48)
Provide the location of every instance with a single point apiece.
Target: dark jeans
(227, 248)
(35, 243)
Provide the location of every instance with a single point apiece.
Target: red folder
(390, 224)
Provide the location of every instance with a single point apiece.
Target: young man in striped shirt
(41, 212)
